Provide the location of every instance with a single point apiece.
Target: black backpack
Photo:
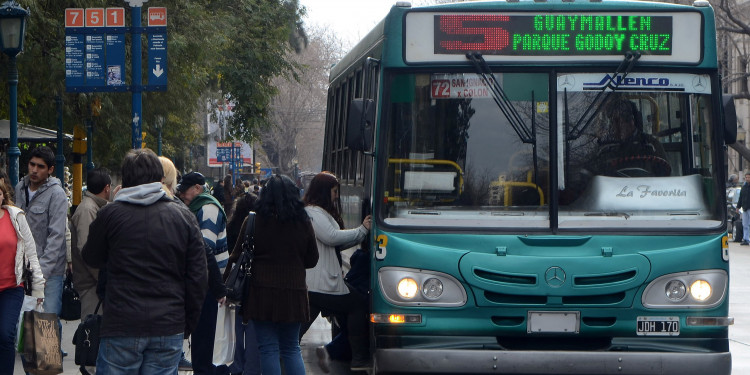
(86, 340)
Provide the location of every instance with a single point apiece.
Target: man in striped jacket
(213, 225)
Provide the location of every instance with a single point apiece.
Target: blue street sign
(157, 60)
(224, 154)
(75, 59)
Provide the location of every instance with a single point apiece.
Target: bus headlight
(407, 288)
(700, 290)
(707, 289)
(675, 290)
(414, 287)
(432, 288)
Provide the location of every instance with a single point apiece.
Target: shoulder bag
(86, 340)
(239, 276)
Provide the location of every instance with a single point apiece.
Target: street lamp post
(12, 30)
(159, 126)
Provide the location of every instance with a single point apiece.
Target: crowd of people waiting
(151, 256)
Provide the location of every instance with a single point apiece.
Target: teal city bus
(546, 180)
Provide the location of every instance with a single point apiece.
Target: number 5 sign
(94, 17)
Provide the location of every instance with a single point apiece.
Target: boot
(360, 353)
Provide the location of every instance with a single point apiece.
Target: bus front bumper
(459, 361)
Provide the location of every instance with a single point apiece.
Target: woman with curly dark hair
(276, 298)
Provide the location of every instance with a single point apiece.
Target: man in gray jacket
(43, 199)
(98, 186)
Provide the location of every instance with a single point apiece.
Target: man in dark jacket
(156, 272)
(744, 204)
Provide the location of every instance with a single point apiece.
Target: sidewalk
(319, 334)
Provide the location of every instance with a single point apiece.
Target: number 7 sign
(74, 17)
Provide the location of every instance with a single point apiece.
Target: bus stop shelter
(26, 134)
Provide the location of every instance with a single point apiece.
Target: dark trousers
(203, 338)
(10, 309)
(246, 354)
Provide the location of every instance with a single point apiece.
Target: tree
(297, 113)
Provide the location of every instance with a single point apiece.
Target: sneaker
(324, 360)
(744, 243)
(185, 365)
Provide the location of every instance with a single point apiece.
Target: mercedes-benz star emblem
(555, 276)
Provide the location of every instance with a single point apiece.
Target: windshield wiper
(624, 68)
(622, 214)
(501, 99)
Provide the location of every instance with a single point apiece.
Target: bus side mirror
(730, 119)
(360, 125)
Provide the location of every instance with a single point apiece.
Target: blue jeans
(10, 309)
(279, 340)
(53, 294)
(157, 355)
(746, 225)
(246, 356)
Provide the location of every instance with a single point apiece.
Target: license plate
(553, 322)
(658, 326)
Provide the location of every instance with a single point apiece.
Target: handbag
(41, 343)
(86, 340)
(71, 301)
(240, 274)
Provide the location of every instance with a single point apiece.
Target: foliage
(258, 53)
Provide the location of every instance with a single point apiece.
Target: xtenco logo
(632, 83)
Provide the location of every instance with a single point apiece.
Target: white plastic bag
(224, 340)
(29, 304)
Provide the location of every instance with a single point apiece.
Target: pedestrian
(328, 293)
(218, 192)
(156, 272)
(17, 247)
(228, 197)
(4, 179)
(85, 278)
(169, 182)
(42, 197)
(276, 299)
(246, 355)
(212, 222)
(743, 203)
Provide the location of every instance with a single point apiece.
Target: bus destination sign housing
(567, 34)
(551, 37)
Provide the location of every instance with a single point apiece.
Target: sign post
(95, 54)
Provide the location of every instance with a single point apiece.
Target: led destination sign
(550, 35)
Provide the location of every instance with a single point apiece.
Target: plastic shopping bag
(224, 341)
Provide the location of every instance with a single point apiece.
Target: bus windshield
(460, 155)
(631, 152)
(636, 152)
